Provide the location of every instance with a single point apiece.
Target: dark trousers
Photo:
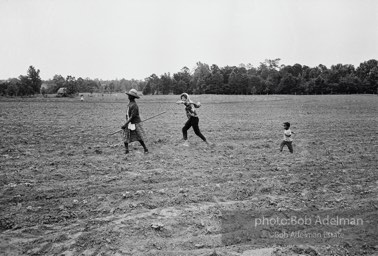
(192, 122)
(289, 144)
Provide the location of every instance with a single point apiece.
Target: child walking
(133, 129)
(193, 119)
(287, 139)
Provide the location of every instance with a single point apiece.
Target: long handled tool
(142, 121)
(154, 116)
(115, 132)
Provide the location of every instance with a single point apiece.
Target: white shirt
(287, 135)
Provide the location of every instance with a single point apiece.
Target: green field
(67, 188)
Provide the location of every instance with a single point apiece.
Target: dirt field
(66, 188)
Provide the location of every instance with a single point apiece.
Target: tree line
(80, 85)
(32, 84)
(22, 86)
(268, 78)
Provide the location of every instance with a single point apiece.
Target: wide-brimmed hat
(133, 93)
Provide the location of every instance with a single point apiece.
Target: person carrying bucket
(133, 129)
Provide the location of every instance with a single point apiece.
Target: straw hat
(133, 93)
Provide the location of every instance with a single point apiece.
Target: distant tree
(132, 84)
(309, 86)
(92, 86)
(71, 85)
(180, 87)
(273, 80)
(242, 79)
(314, 72)
(226, 71)
(349, 84)
(147, 89)
(322, 67)
(13, 87)
(305, 73)
(268, 87)
(57, 82)
(337, 73)
(319, 86)
(288, 85)
(111, 87)
(181, 81)
(297, 70)
(25, 86)
(214, 82)
(268, 77)
(141, 85)
(3, 88)
(232, 83)
(214, 69)
(251, 71)
(34, 79)
(285, 69)
(166, 83)
(263, 70)
(367, 72)
(153, 84)
(199, 77)
(256, 84)
(272, 64)
(31, 83)
(81, 85)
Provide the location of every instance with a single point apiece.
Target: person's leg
(282, 145)
(186, 127)
(290, 146)
(143, 145)
(197, 130)
(126, 137)
(126, 147)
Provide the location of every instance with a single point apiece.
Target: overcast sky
(111, 39)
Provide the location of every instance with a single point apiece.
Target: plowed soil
(67, 188)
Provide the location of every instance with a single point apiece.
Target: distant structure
(62, 92)
(44, 86)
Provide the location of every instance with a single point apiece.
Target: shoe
(186, 144)
(127, 151)
(146, 151)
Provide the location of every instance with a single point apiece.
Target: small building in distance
(62, 92)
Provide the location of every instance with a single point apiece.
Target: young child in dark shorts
(287, 139)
